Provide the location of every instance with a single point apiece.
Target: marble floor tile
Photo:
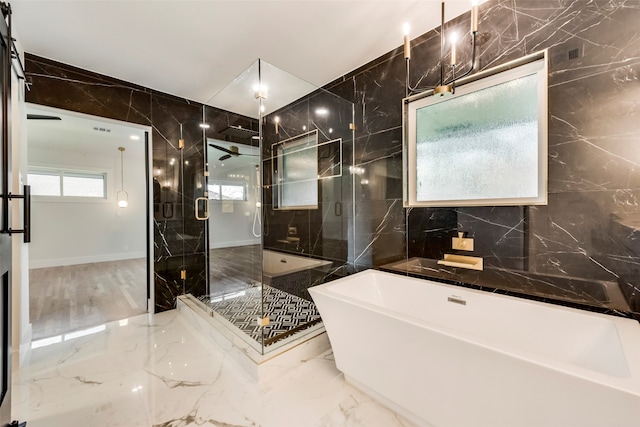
(155, 371)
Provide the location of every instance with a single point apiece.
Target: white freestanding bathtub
(448, 356)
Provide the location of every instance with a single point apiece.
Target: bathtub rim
(319, 263)
(617, 302)
(625, 329)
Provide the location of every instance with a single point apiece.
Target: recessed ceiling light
(135, 137)
(322, 111)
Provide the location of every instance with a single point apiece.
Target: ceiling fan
(42, 117)
(231, 151)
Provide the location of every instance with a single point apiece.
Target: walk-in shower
(279, 190)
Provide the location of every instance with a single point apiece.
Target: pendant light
(444, 87)
(122, 196)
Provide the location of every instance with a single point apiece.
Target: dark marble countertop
(601, 294)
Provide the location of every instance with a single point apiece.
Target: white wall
(20, 325)
(77, 232)
(228, 229)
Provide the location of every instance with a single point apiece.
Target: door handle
(26, 214)
(206, 209)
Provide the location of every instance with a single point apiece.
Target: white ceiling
(83, 134)
(193, 49)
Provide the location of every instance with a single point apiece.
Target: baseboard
(233, 243)
(59, 262)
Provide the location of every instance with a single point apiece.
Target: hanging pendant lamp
(122, 196)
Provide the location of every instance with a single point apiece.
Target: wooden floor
(234, 269)
(68, 298)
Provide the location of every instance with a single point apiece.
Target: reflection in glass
(264, 255)
(297, 173)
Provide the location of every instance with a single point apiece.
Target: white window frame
(228, 183)
(533, 64)
(308, 141)
(61, 172)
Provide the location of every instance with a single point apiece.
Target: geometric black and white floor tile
(287, 313)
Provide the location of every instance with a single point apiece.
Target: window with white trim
(227, 191)
(67, 183)
(296, 171)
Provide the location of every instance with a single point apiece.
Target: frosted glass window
(297, 172)
(84, 186)
(299, 177)
(66, 183)
(468, 144)
(43, 184)
(485, 145)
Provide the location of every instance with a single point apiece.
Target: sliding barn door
(5, 220)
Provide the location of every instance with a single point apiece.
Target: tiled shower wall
(323, 232)
(177, 243)
(591, 225)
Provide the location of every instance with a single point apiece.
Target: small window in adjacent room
(45, 184)
(227, 191)
(67, 183)
(83, 185)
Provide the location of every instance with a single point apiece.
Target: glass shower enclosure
(279, 192)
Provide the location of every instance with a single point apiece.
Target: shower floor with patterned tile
(287, 313)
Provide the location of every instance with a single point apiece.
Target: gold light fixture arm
(448, 87)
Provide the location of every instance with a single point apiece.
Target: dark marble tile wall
(323, 232)
(179, 239)
(590, 227)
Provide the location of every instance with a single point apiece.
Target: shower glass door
(234, 223)
(265, 125)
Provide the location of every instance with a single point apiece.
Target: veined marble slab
(157, 370)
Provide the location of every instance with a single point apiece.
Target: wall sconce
(204, 125)
(260, 91)
(276, 121)
(444, 88)
(122, 196)
(356, 170)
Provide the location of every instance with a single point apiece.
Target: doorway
(89, 258)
